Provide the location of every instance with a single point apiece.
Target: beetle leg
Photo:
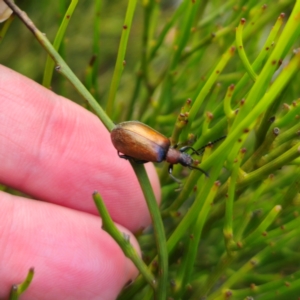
(139, 161)
(174, 178)
(124, 156)
(131, 158)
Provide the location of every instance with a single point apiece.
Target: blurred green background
(21, 52)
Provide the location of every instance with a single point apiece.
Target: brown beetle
(142, 144)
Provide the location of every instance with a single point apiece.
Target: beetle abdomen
(140, 141)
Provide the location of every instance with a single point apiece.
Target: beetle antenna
(209, 144)
(185, 148)
(201, 170)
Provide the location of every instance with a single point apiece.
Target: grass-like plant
(205, 69)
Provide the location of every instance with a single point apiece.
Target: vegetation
(196, 71)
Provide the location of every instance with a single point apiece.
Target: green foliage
(235, 234)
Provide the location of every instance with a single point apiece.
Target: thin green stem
(17, 290)
(120, 63)
(186, 269)
(184, 33)
(181, 9)
(289, 35)
(266, 50)
(228, 223)
(158, 228)
(122, 240)
(91, 73)
(227, 104)
(260, 230)
(245, 124)
(241, 50)
(264, 147)
(272, 166)
(270, 290)
(252, 263)
(207, 87)
(48, 72)
(5, 27)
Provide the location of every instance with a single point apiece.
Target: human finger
(54, 150)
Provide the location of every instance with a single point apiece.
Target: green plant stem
(193, 212)
(92, 70)
(148, 11)
(241, 50)
(219, 11)
(259, 61)
(255, 157)
(266, 169)
(287, 135)
(218, 212)
(276, 233)
(275, 152)
(142, 75)
(289, 35)
(121, 57)
(212, 133)
(122, 240)
(225, 261)
(267, 100)
(244, 126)
(181, 229)
(48, 72)
(96, 44)
(252, 263)
(184, 34)
(181, 121)
(293, 189)
(181, 9)
(226, 146)
(278, 162)
(17, 290)
(158, 228)
(186, 268)
(207, 87)
(228, 226)
(260, 230)
(184, 193)
(271, 290)
(61, 66)
(227, 106)
(250, 200)
(5, 27)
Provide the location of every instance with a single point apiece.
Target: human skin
(59, 153)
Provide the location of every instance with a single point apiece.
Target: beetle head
(185, 159)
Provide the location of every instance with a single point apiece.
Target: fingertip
(63, 153)
(72, 256)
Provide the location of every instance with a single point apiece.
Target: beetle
(138, 142)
